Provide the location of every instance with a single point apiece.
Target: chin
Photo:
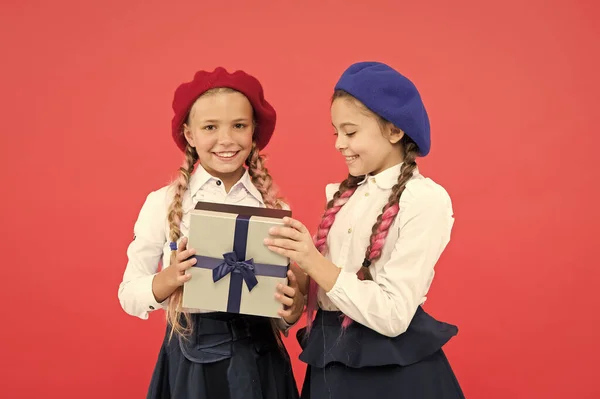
(227, 169)
(219, 168)
(357, 171)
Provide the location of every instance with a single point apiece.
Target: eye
(350, 134)
(240, 125)
(209, 127)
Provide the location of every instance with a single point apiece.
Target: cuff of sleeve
(144, 292)
(284, 326)
(344, 280)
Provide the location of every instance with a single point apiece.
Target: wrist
(169, 280)
(312, 263)
(292, 319)
(324, 273)
(161, 286)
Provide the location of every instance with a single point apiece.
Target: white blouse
(151, 240)
(404, 272)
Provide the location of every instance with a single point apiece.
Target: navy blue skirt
(227, 356)
(361, 363)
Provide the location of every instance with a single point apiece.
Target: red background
(512, 91)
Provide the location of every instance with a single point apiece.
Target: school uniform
(393, 349)
(227, 355)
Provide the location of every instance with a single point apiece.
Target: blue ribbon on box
(235, 263)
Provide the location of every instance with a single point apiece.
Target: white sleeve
(144, 255)
(388, 304)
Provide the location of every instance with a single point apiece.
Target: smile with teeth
(226, 154)
(351, 158)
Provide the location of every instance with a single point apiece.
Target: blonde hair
(259, 176)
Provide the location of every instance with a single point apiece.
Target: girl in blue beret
(221, 121)
(369, 268)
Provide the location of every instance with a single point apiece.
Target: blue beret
(391, 96)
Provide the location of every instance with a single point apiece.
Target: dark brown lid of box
(243, 210)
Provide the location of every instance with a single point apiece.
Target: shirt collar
(246, 181)
(200, 177)
(385, 179)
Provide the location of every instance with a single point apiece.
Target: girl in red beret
(221, 122)
(372, 261)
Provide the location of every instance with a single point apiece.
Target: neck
(391, 161)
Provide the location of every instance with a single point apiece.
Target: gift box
(235, 272)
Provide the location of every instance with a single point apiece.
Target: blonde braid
(263, 182)
(261, 178)
(174, 310)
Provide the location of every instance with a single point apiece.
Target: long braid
(261, 178)
(263, 182)
(388, 214)
(340, 198)
(181, 184)
(390, 210)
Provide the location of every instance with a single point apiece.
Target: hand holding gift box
(235, 272)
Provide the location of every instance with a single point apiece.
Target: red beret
(187, 93)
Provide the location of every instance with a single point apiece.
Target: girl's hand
(293, 241)
(302, 278)
(173, 277)
(291, 298)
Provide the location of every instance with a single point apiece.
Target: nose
(340, 142)
(225, 134)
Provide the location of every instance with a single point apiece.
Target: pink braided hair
(345, 191)
(381, 227)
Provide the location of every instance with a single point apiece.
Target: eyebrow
(346, 124)
(217, 120)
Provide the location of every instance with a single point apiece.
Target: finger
(284, 300)
(282, 251)
(186, 264)
(301, 278)
(186, 254)
(286, 232)
(295, 224)
(284, 313)
(182, 245)
(183, 278)
(286, 290)
(281, 243)
(292, 280)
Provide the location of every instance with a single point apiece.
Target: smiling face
(368, 144)
(220, 127)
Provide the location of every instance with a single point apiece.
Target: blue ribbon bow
(232, 264)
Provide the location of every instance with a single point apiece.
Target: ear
(187, 132)
(395, 134)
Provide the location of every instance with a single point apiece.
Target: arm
(144, 253)
(388, 304)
